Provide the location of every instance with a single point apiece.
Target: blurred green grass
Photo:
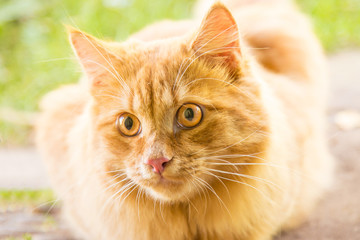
(35, 56)
(13, 199)
(337, 22)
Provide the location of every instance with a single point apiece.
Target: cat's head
(170, 116)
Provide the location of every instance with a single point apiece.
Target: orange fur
(256, 164)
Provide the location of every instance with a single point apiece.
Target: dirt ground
(338, 215)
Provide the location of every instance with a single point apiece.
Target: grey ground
(21, 168)
(337, 217)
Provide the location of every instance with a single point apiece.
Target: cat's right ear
(218, 39)
(97, 61)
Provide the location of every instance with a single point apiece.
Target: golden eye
(189, 115)
(128, 125)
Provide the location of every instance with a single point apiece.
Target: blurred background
(35, 57)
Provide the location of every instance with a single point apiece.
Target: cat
(183, 132)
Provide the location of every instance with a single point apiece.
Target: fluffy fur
(256, 164)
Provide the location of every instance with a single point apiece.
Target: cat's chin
(169, 191)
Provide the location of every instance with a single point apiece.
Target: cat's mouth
(164, 181)
(166, 188)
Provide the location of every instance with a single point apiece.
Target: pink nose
(158, 164)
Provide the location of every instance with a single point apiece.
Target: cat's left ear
(97, 61)
(218, 38)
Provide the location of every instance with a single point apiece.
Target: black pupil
(128, 123)
(189, 114)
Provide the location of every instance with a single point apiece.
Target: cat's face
(171, 116)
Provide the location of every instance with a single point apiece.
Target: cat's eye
(189, 115)
(128, 125)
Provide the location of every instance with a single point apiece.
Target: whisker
(247, 176)
(133, 187)
(242, 140)
(137, 200)
(120, 192)
(201, 47)
(253, 155)
(118, 77)
(235, 164)
(197, 187)
(161, 211)
(200, 186)
(223, 81)
(107, 95)
(246, 184)
(191, 203)
(114, 184)
(205, 101)
(192, 61)
(207, 185)
(120, 81)
(55, 59)
(116, 171)
(214, 175)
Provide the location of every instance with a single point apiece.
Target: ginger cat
(215, 133)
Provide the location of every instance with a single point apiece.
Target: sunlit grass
(337, 22)
(35, 56)
(13, 199)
